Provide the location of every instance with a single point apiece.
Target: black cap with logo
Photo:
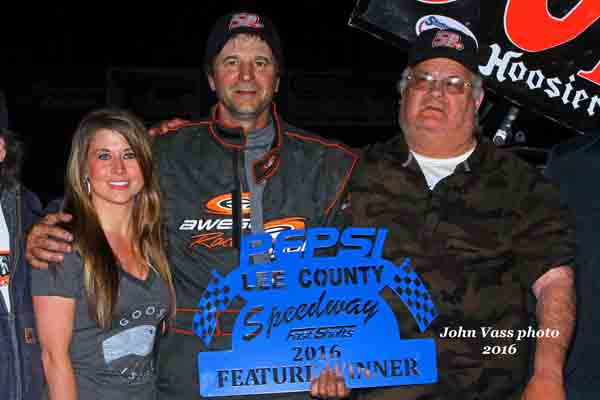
(230, 25)
(445, 43)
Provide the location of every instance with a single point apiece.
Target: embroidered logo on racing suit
(215, 231)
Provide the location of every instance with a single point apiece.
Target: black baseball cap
(445, 43)
(232, 24)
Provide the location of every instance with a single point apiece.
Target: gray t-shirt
(117, 363)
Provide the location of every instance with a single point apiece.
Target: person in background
(100, 310)
(575, 165)
(22, 377)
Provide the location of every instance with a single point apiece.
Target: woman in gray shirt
(100, 310)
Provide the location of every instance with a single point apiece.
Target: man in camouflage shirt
(483, 229)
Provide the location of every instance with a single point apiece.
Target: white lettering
(485, 330)
(568, 90)
(553, 91)
(501, 63)
(207, 225)
(225, 225)
(595, 102)
(580, 95)
(540, 79)
(513, 68)
(188, 225)
(211, 224)
(517, 70)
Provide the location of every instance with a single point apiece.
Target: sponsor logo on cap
(442, 22)
(245, 20)
(448, 39)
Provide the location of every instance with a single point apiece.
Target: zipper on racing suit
(236, 197)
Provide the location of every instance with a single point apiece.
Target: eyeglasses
(426, 82)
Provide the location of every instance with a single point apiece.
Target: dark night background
(62, 61)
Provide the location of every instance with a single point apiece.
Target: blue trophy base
(292, 368)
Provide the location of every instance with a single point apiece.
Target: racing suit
(206, 199)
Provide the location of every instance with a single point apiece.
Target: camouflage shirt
(479, 240)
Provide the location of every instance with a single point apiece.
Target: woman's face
(114, 173)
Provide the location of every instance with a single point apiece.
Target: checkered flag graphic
(217, 297)
(413, 292)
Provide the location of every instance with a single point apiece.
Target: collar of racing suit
(235, 139)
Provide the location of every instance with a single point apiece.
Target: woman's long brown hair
(101, 268)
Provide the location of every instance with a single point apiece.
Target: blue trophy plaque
(306, 310)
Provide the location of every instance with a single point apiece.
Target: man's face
(436, 122)
(245, 79)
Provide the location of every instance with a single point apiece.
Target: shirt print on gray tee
(129, 352)
(117, 363)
